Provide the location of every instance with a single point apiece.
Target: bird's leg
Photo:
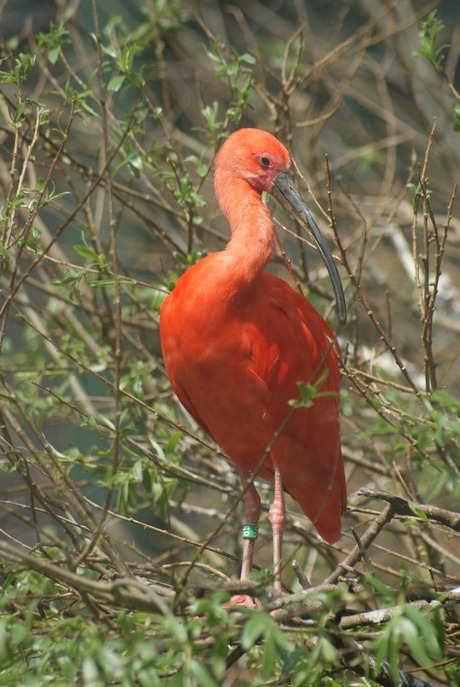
(276, 519)
(251, 515)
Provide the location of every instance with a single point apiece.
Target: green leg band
(250, 531)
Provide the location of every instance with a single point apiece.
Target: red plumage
(237, 340)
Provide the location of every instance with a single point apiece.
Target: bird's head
(253, 155)
(257, 158)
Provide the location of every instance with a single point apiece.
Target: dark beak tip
(283, 189)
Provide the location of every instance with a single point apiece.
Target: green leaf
(292, 661)
(86, 252)
(201, 674)
(54, 54)
(19, 112)
(415, 508)
(91, 422)
(116, 82)
(427, 631)
(4, 252)
(172, 443)
(254, 628)
(456, 124)
(246, 57)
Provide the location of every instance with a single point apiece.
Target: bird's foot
(243, 600)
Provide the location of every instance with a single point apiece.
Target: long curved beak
(285, 192)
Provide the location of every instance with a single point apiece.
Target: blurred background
(108, 134)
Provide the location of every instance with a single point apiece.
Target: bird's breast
(235, 363)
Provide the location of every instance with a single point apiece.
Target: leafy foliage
(119, 519)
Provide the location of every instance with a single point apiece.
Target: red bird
(237, 340)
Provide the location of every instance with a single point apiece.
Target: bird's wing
(186, 401)
(290, 341)
(291, 344)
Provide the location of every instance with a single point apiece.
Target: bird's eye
(265, 161)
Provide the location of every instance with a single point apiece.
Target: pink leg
(251, 514)
(276, 519)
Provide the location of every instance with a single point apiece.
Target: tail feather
(323, 499)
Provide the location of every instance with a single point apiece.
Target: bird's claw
(245, 600)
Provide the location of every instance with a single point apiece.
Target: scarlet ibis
(237, 340)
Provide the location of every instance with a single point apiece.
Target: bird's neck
(251, 246)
